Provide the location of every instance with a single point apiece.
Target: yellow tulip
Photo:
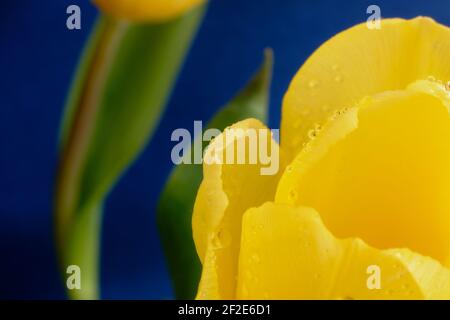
(146, 10)
(364, 185)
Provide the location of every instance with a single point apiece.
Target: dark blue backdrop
(37, 58)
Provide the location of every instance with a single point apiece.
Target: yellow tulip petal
(227, 191)
(287, 253)
(146, 10)
(360, 62)
(380, 172)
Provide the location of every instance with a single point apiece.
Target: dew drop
(221, 239)
(339, 113)
(313, 84)
(335, 67)
(338, 79)
(289, 169)
(255, 258)
(431, 78)
(293, 195)
(312, 134)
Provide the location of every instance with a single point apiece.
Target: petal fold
(380, 172)
(288, 253)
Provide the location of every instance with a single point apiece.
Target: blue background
(37, 59)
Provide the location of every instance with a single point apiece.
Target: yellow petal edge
(361, 62)
(226, 192)
(146, 10)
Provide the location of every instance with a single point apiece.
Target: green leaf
(178, 197)
(122, 85)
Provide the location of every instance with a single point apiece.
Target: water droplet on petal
(255, 258)
(317, 127)
(338, 79)
(312, 134)
(313, 84)
(335, 67)
(293, 195)
(221, 239)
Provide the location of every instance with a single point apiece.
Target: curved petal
(381, 172)
(287, 253)
(147, 10)
(360, 62)
(230, 186)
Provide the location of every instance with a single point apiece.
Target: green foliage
(178, 197)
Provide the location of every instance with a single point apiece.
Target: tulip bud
(146, 10)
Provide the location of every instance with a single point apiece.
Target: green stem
(122, 85)
(77, 231)
(83, 250)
